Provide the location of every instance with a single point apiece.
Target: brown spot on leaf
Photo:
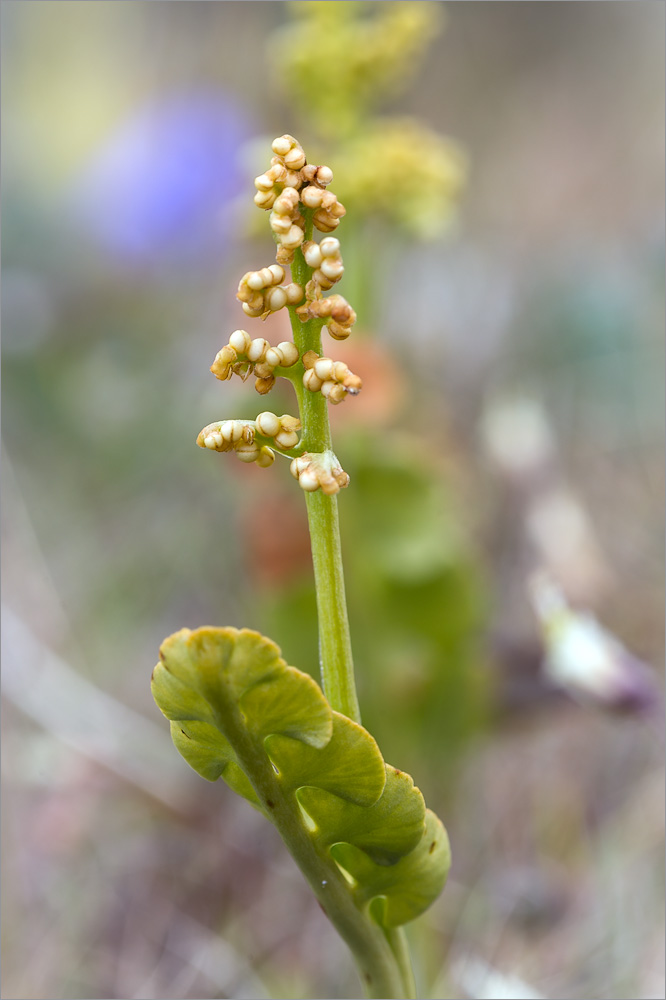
(185, 735)
(270, 804)
(367, 977)
(432, 847)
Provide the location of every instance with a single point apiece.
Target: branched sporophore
(296, 194)
(238, 712)
(357, 827)
(250, 439)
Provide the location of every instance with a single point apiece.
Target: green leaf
(239, 712)
(386, 830)
(403, 891)
(350, 751)
(203, 746)
(210, 754)
(289, 703)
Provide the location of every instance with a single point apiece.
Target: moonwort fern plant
(357, 827)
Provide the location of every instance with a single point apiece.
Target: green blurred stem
(335, 653)
(397, 940)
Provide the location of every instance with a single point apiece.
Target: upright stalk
(277, 750)
(335, 653)
(337, 667)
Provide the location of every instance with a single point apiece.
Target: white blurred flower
(586, 659)
(484, 982)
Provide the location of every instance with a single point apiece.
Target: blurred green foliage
(339, 60)
(397, 169)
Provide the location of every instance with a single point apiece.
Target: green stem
(397, 939)
(379, 954)
(382, 957)
(335, 653)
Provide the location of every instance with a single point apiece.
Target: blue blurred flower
(162, 183)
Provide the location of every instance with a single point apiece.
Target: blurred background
(502, 165)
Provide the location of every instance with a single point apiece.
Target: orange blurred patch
(276, 537)
(383, 392)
